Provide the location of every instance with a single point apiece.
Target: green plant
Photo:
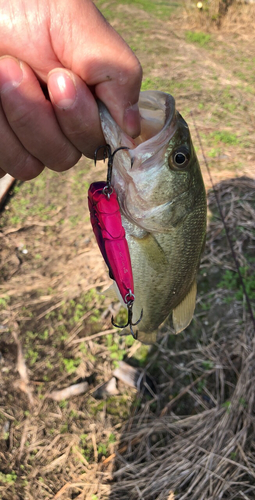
(243, 402)
(83, 348)
(78, 312)
(111, 438)
(8, 478)
(63, 403)
(32, 356)
(71, 364)
(129, 340)
(4, 301)
(200, 386)
(73, 414)
(231, 281)
(83, 438)
(102, 449)
(44, 335)
(214, 152)
(198, 37)
(64, 429)
(225, 137)
(227, 405)
(207, 364)
(162, 9)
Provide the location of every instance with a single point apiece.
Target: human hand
(68, 48)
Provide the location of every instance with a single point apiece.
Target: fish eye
(179, 159)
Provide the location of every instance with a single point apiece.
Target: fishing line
(225, 226)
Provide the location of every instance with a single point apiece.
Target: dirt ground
(193, 437)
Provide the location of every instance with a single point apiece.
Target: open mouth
(156, 113)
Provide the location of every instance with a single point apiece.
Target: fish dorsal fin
(183, 313)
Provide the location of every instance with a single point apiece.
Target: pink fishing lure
(110, 235)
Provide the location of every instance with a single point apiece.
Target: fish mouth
(158, 125)
(157, 111)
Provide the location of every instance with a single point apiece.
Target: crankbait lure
(110, 235)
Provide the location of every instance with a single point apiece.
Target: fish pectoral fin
(110, 292)
(153, 252)
(183, 313)
(113, 293)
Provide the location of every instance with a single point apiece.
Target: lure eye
(179, 159)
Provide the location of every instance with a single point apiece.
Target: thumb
(85, 43)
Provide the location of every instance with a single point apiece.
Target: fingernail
(11, 74)
(62, 89)
(132, 124)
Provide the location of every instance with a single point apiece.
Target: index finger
(93, 50)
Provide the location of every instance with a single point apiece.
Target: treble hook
(110, 164)
(129, 321)
(108, 154)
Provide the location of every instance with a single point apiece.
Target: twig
(69, 392)
(22, 369)
(23, 438)
(95, 336)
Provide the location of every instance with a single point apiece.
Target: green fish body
(163, 208)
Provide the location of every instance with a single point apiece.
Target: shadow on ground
(194, 440)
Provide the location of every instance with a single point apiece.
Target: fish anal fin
(183, 313)
(110, 292)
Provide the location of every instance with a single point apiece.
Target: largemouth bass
(163, 210)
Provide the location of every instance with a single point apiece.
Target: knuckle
(23, 113)
(134, 69)
(138, 72)
(20, 116)
(26, 168)
(64, 160)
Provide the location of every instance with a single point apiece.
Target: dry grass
(239, 17)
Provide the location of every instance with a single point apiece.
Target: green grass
(162, 9)
(42, 197)
(3, 302)
(198, 37)
(158, 8)
(214, 152)
(71, 364)
(8, 478)
(32, 356)
(231, 281)
(171, 86)
(225, 137)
